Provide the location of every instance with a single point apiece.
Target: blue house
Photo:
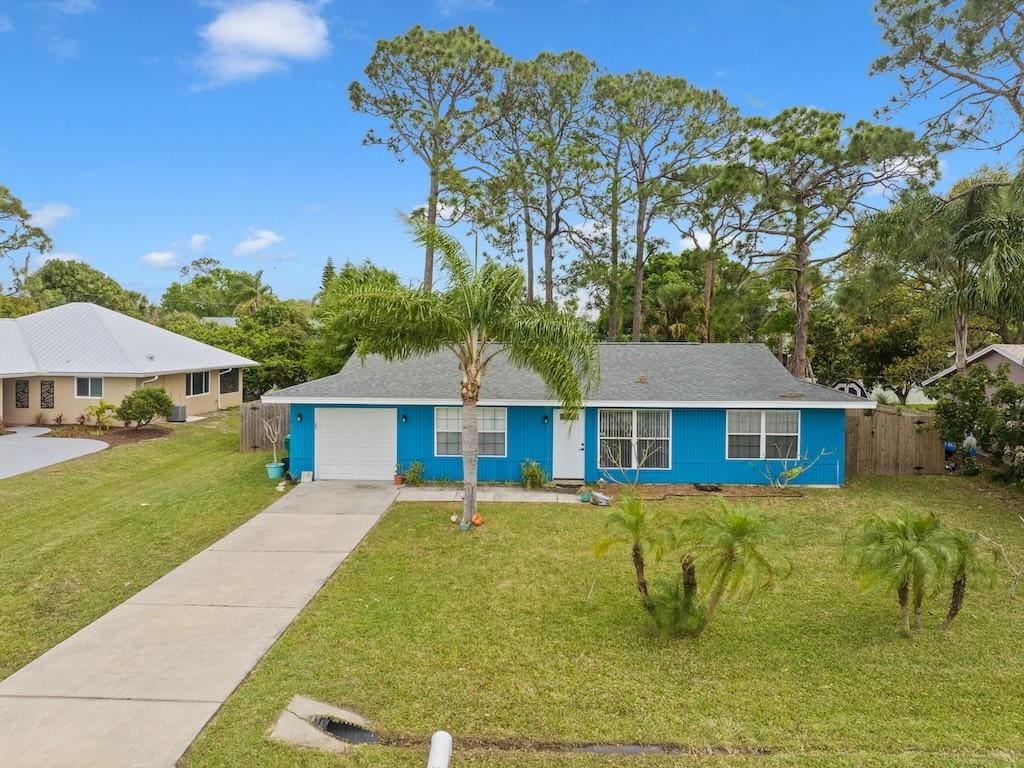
(662, 413)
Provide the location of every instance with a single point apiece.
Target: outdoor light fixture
(545, 418)
(404, 418)
(298, 417)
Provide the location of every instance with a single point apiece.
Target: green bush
(143, 405)
(533, 475)
(414, 474)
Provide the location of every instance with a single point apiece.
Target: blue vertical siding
(698, 450)
(698, 447)
(528, 437)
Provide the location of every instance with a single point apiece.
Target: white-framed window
(634, 439)
(89, 387)
(491, 427)
(197, 383)
(762, 435)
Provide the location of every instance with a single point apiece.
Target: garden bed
(112, 436)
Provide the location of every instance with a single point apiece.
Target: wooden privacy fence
(893, 441)
(252, 436)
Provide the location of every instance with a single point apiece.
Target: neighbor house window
(763, 435)
(229, 382)
(197, 383)
(21, 393)
(634, 439)
(46, 394)
(491, 427)
(88, 387)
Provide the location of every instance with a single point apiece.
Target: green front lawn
(78, 538)
(517, 632)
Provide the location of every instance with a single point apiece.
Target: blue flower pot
(275, 470)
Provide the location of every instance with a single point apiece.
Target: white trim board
(712, 404)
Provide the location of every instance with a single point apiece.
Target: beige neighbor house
(58, 362)
(993, 356)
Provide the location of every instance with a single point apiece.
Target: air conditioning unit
(178, 414)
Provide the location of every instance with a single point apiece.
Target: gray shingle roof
(88, 339)
(630, 373)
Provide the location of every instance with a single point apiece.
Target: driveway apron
(26, 450)
(135, 687)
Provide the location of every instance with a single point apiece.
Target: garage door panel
(356, 443)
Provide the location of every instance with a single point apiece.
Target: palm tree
(909, 553)
(481, 313)
(250, 292)
(967, 562)
(629, 523)
(737, 551)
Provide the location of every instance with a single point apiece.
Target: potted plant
(398, 474)
(272, 429)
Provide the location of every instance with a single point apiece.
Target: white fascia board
(970, 359)
(737, 404)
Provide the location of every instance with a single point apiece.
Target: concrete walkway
(23, 452)
(135, 687)
(486, 494)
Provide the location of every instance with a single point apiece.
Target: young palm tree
(250, 293)
(481, 313)
(967, 563)
(629, 523)
(739, 553)
(909, 553)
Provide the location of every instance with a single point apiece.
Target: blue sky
(144, 133)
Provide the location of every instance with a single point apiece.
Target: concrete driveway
(132, 689)
(26, 450)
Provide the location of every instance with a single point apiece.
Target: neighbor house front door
(567, 447)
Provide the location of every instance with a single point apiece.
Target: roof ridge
(24, 342)
(113, 336)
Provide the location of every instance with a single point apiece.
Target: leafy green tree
(665, 126)
(909, 553)
(328, 274)
(962, 407)
(481, 313)
(215, 291)
(435, 91)
(964, 57)
(17, 233)
(812, 175)
(60, 282)
(143, 405)
(250, 292)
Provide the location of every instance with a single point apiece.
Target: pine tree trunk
(638, 271)
(528, 227)
(549, 269)
(799, 365)
(709, 295)
(428, 262)
(614, 290)
(956, 601)
(641, 578)
(960, 341)
(903, 595)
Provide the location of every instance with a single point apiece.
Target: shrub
(100, 414)
(414, 474)
(143, 405)
(532, 475)
(58, 419)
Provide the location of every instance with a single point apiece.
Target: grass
(517, 632)
(80, 537)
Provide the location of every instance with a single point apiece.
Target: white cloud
(257, 241)
(451, 7)
(161, 259)
(250, 38)
(198, 242)
(48, 215)
(700, 238)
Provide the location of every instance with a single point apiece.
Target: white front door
(567, 447)
(355, 443)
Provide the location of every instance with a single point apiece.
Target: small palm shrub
(100, 414)
(909, 554)
(734, 553)
(532, 475)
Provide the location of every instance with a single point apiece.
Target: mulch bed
(653, 492)
(112, 436)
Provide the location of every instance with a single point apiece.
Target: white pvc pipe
(440, 750)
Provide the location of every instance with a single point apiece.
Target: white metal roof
(89, 339)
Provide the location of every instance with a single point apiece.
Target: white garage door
(356, 443)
